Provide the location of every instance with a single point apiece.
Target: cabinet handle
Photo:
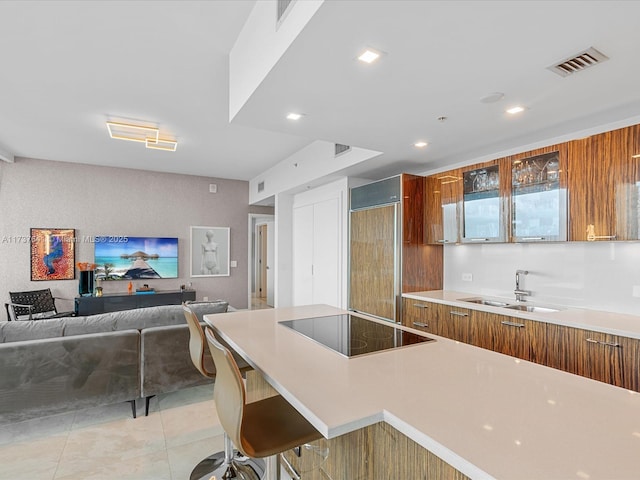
(608, 344)
(512, 324)
(478, 239)
(459, 314)
(591, 234)
(530, 239)
(421, 324)
(591, 238)
(420, 305)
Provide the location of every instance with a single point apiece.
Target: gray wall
(114, 201)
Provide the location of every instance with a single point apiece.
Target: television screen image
(131, 258)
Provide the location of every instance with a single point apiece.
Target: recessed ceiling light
(516, 109)
(369, 56)
(420, 144)
(294, 116)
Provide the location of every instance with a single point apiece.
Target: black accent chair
(33, 305)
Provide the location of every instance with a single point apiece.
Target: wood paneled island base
(378, 451)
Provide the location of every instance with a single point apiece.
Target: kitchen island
(489, 416)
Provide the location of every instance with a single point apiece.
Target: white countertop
(486, 414)
(606, 322)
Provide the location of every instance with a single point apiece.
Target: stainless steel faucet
(520, 294)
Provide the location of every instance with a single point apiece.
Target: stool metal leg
(272, 465)
(226, 466)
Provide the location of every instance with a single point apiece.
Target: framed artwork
(53, 254)
(210, 251)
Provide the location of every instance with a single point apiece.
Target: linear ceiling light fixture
(150, 136)
(162, 144)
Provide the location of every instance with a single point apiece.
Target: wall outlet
(467, 277)
(205, 299)
(234, 263)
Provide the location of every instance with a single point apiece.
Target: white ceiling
(67, 67)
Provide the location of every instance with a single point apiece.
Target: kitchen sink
(484, 301)
(532, 308)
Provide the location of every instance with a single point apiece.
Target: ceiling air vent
(340, 149)
(261, 186)
(579, 62)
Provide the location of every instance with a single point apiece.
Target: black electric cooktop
(351, 335)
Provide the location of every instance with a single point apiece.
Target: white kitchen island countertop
(489, 415)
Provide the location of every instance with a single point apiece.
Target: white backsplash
(595, 275)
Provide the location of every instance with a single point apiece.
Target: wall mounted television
(131, 258)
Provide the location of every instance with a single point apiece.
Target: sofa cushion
(52, 375)
(141, 318)
(21, 331)
(89, 324)
(205, 308)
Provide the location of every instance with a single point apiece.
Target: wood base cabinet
(452, 322)
(525, 339)
(419, 315)
(600, 356)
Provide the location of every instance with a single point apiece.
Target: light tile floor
(258, 303)
(107, 443)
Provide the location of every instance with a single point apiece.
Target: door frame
(255, 219)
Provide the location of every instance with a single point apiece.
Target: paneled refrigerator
(387, 251)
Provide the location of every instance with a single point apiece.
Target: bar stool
(225, 464)
(262, 429)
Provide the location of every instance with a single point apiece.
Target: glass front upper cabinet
(538, 200)
(481, 206)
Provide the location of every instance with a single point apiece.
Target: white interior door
(270, 263)
(326, 252)
(303, 246)
(317, 253)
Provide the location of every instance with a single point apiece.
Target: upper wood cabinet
(422, 264)
(483, 206)
(443, 192)
(538, 195)
(590, 192)
(603, 184)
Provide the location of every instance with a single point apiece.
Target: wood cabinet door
(443, 195)
(482, 211)
(452, 322)
(604, 185)
(596, 355)
(373, 261)
(421, 263)
(517, 337)
(419, 314)
(538, 195)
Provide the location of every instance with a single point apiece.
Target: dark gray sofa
(55, 365)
